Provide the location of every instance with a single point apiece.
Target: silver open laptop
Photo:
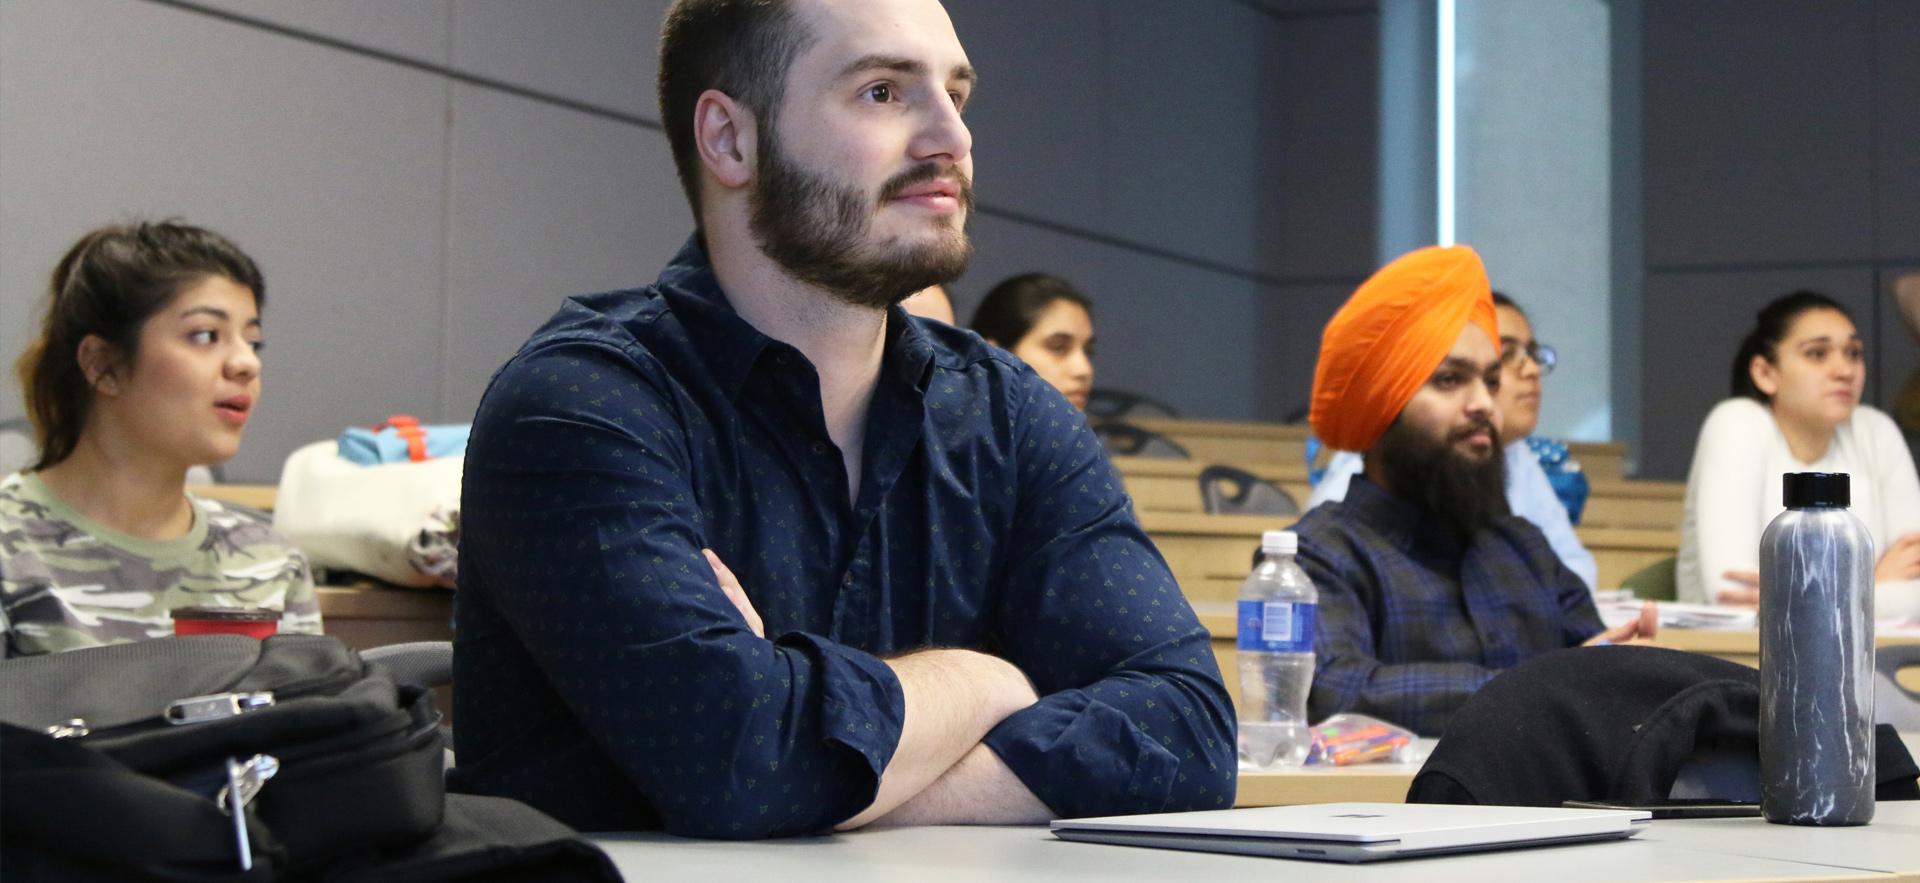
(1356, 832)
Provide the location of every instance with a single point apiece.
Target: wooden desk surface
(1248, 442)
(1742, 647)
(1637, 488)
(1182, 426)
(1158, 485)
(1209, 554)
(1250, 527)
(1366, 783)
(1156, 467)
(370, 614)
(1218, 618)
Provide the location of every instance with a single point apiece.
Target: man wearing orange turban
(1428, 585)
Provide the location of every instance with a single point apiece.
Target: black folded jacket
(1611, 724)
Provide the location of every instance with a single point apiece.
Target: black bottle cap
(1816, 490)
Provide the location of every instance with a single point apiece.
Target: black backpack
(121, 762)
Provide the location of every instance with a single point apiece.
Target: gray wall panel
(1757, 131)
(1317, 162)
(1314, 8)
(602, 52)
(327, 167)
(1038, 127)
(1694, 323)
(1183, 124)
(545, 203)
(1170, 331)
(416, 29)
(1290, 320)
(415, 226)
(1897, 129)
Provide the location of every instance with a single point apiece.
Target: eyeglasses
(1541, 354)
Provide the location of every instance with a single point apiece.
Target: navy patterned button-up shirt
(1411, 622)
(604, 678)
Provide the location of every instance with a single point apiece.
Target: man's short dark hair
(740, 47)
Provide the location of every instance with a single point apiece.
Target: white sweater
(1733, 490)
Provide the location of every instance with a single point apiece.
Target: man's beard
(817, 230)
(1463, 495)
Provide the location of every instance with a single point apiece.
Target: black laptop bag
(117, 756)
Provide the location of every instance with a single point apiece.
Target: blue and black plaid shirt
(1411, 623)
(605, 679)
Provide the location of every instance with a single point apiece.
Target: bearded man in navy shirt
(748, 552)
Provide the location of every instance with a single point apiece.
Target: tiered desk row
(1174, 486)
(1627, 525)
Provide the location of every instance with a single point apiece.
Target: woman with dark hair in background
(146, 365)
(1796, 384)
(1047, 323)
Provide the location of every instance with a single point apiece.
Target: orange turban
(1385, 342)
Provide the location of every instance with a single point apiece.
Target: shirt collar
(909, 350)
(725, 342)
(730, 345)
(1399, 520)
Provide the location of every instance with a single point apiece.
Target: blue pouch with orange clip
(403, 439)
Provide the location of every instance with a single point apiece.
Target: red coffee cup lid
(226, 614)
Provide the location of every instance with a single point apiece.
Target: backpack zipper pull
(244, 781)
(214, 706)
(72, 729)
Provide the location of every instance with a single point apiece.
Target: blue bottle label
(1276, 626)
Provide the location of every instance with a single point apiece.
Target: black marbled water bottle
(1816, 658)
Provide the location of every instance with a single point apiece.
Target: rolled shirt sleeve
(1133, 716)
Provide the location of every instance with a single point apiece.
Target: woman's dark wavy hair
(107, 286)
(1012, 307)
(1771, 325)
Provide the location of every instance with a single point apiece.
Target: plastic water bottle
(1275, 638)
(1816, 658)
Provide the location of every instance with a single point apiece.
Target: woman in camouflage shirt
(146, 365)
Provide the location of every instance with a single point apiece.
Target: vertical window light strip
(1443, 140)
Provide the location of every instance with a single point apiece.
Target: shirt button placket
(846, 618)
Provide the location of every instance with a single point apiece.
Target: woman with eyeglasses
(1796, 407)
(1531, 493)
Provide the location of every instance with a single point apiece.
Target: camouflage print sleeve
(272, 571)
(68, 582)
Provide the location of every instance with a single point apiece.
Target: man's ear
(99, 362)
(724, 132)
(1765, 374)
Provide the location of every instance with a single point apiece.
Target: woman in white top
(1796, 408)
